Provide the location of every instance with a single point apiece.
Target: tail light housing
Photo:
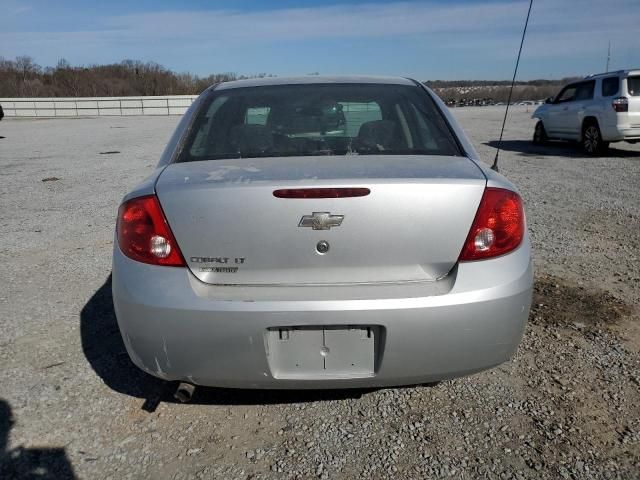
(620, 104)
(498, 227)
(144, 234)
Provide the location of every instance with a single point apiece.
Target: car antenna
(513, 81)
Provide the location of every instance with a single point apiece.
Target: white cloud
(320, 22)
(393, 19)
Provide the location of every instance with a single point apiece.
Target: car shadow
(29, 463)
(557, 149)
(104, 349)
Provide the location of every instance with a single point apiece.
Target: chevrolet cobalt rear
(320, 232)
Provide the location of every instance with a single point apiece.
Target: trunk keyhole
(322, 247)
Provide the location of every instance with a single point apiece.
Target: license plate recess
(322, 352)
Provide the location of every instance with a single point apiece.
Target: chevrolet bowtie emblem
(321, 220)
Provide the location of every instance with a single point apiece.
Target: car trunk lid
(233, 230)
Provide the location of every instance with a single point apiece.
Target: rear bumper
(621, 133)
(177, 328)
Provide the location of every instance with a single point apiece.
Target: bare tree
(23, 77)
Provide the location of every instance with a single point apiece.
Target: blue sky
(429, 39)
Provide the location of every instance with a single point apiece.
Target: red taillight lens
(498, 227)
(144, 234)
(321, 192)
(620, 104)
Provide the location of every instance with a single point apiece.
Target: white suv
(595, 111)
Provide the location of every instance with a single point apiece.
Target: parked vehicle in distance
(595, 111)
(320, 232)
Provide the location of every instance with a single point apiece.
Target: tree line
(23, 77)
(489, 83)
(497, 90)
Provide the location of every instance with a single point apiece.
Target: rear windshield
(633, 86)
(318, 119)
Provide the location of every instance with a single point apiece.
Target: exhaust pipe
(184, 392)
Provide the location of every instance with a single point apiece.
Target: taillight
(620, 104)
(498, 227)
(144, 234)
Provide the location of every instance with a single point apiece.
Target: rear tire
(591, 141)
(540, 134)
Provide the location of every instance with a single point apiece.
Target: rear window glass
(318, 119)
(610, 86)
(633, 86)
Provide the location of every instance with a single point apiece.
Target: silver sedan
(320, 232)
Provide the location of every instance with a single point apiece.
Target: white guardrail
(96, 106)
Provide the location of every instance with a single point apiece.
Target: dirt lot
(71, 403)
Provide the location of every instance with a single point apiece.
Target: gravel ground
(71, 403)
